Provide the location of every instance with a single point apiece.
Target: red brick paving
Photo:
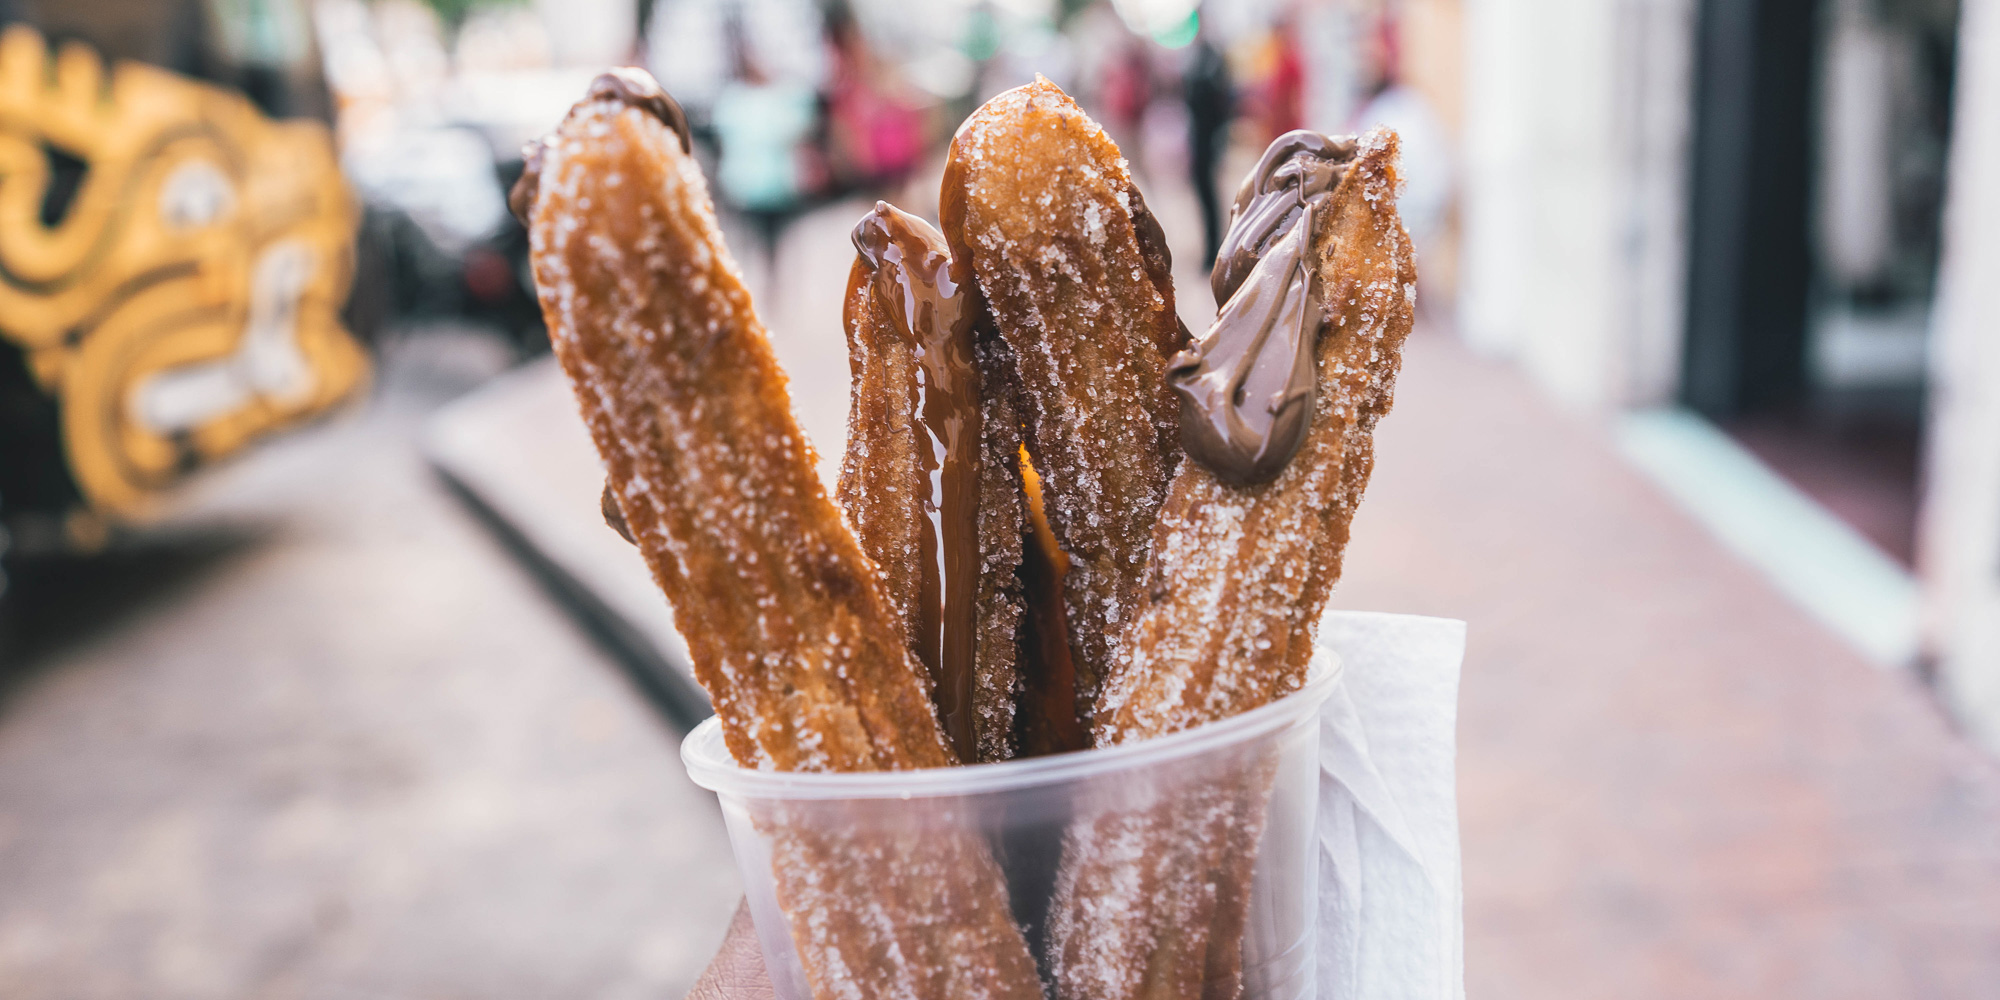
(1673, 783)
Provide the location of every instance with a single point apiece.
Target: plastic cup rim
(708, 764)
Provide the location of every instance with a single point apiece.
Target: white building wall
(1498, 214)
(1959, 557)
(1655, 122)
(1576, 138)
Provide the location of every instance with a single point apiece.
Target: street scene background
(1696, 431)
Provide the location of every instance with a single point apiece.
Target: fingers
(737, 972)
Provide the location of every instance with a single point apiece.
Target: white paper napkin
(1392, 906)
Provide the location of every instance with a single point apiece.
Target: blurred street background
(320, 677)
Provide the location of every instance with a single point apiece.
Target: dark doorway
(1821, 128)
(1748, 263)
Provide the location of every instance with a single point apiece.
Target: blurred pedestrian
(1284, 88)
(1424, 140)
(1210, 101)
(1125, 89)
(760, 124)
(875, 131)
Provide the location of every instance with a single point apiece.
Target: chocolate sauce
(614, 518)
(1247, 387)
(1152, 240)
(628, 85)
(1298, 168)
(636, 88)
(929, 298)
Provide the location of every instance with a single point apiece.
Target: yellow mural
(187, 299)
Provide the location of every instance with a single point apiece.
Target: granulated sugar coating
(1077, 277)
(1151, 902)
(783, 615)
(891, 481)
(1187, 600)
(1003, 517)
(1238, 576)
(1154, 887)
(917, 895)
(675, 377)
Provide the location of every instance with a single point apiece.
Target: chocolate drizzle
(1247, 387)
(636, 88)
(614, 516)
(1298, 168)
(930, 300)
(628, 85)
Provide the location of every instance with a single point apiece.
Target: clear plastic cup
(1050, 824)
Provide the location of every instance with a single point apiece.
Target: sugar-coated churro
(783, 614)
(1240, 569)
(686, 403)
(1281, 400)
(1059, 521)
(1076, 272)
(928, 483)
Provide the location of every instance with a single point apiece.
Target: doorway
(1821, 131)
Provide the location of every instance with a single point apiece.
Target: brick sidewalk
(337, 744)
(1673, 784)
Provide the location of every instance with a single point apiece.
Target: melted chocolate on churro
(1298, 168)
(607, 505)
(1246, 388)
(628, 85)
(929, 299)
(1037, 196)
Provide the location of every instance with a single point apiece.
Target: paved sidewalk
(325, 738)
(1673, 784)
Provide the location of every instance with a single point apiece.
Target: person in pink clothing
(875, 134)
(1283, 103)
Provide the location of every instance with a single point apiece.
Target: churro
(783, 615)
(1076, 272)
(1003, 513)
(1241, 565)
(1138, 904)
(1280, 402)
(940, 934)
(687, 406)
(930, 486)
(1062, 521)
